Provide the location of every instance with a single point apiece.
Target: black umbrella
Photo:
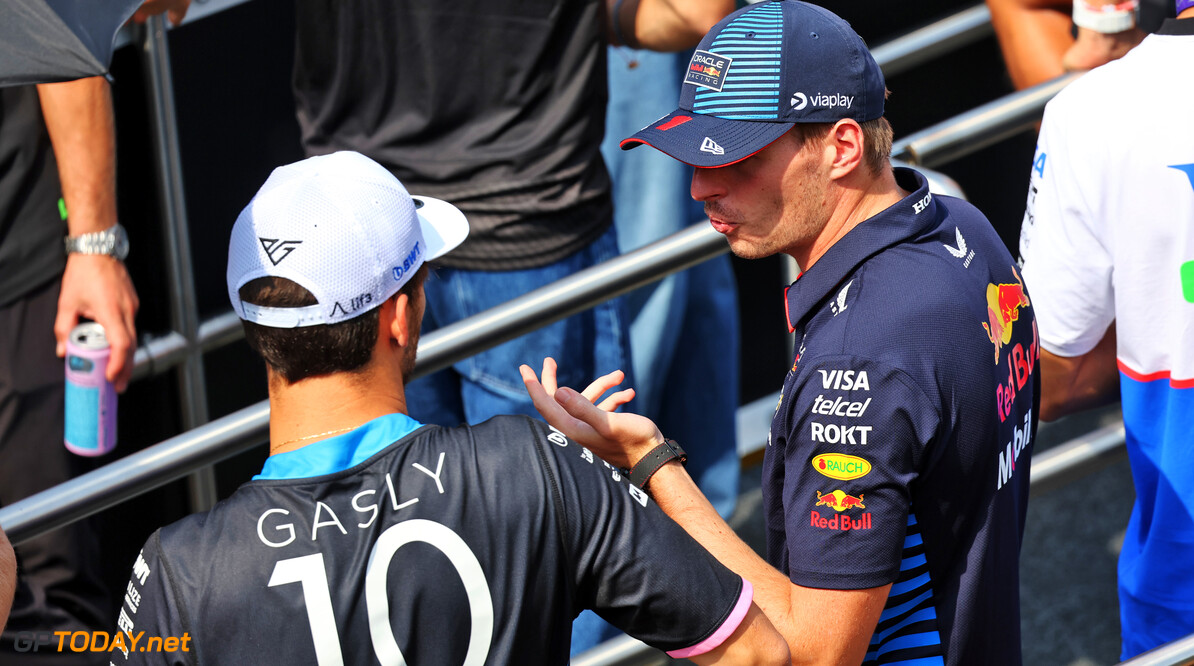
(43, 41)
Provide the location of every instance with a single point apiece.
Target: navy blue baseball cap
(760, 71)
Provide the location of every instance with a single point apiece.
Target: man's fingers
(577, 406)
(549, 375)
(602, 384)
(616, 400)
(544, 403)
(64, 323)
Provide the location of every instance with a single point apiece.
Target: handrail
(980, 127)
(938, 38)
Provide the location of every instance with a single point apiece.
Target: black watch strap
(650, 463)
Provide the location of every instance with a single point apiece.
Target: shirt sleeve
(633, 565)
(1067, 264)
(857, 436)
(149, 629)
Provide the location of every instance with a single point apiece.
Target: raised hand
(621, 438)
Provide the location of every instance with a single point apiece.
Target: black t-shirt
(497, 106)
(31, 227)
(464, 545)
(900, 449)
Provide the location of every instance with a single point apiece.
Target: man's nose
(706, 184)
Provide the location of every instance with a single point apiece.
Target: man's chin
(746, 250)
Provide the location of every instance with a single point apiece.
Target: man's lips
(721, 226)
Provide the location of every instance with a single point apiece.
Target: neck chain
(303, 439)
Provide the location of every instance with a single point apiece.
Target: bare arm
(1076, 383)
(1034, 36)
(819, 626)
(8, 577)
(755, 641)
(665, 25)
(80, 120)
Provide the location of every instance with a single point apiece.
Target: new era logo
(277, 250)
(710, 146)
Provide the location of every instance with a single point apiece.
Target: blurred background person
(1108, 251)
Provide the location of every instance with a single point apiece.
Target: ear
(400, 321)
(847, 140)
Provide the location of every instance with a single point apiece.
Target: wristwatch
(113, 241)
(650, 463)
(1107, 19)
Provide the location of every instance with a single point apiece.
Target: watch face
(121, 248)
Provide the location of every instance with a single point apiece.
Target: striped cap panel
(754, 42)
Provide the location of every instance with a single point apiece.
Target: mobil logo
(841, 466)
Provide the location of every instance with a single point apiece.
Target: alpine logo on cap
(708, 70)
(710, 146)
(277, 250)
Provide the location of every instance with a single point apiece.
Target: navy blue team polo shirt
(899, 449)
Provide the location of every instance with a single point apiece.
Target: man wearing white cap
(369, 537)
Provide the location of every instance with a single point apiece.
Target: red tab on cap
(674, 122)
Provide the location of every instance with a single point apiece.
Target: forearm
(81, 124)
(8, 577)
(1073, 384)
(667, 25)
(1033, 36)
(676, 493)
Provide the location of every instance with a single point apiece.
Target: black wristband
(650, 463)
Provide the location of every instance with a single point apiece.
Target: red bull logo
(1003, 309)
(839, 501)
(842, 523)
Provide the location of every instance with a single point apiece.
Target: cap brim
(707, 141)
(444, 226)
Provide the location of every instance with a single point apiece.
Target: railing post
(184, 314)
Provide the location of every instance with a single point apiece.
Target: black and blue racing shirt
(899, 449)
(402, 543)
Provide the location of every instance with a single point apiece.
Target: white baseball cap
(342, 227)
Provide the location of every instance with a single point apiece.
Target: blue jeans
(585, 345)
(684, 331)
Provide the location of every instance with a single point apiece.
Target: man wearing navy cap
(895, 480)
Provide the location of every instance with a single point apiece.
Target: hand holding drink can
(90, 397)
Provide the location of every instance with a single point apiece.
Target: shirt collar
(341, 452)
(905, 219)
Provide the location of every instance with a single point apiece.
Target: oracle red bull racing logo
(1003, 309)
(839, 501)
(708, 70)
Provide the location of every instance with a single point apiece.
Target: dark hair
(310, 351)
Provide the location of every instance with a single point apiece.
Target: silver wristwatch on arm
(113, 242)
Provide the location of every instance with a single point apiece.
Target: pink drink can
(90, 397)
